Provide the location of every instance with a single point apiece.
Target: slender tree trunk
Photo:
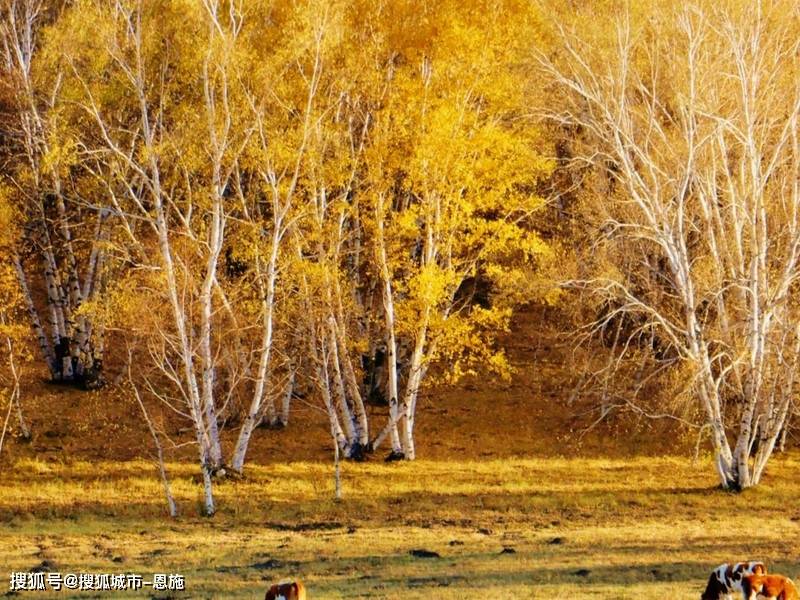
(359, 410)
(340, 393)
(323, 384)
(287, 396)
(14, 395)
(14, 399)
(94, 270)
(394, 414)
(784, 433)
(5, 422)
(336, 428)
(171, 506)
(337, 475)
(208, 370)
(723, 457)
(410, 402)
(267, 290)
(75, 327)
(185, 349)
(391, 342)
(208, 489)
(416, 372)
(56, 314)
(741, 452)
(33, 314)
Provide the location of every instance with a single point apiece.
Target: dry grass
(631, 522)
(628, 528)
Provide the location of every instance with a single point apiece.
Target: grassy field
(514, 500)
(510, 528)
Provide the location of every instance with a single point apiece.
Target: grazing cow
(293, 590)
(772, 587)
(727, 579)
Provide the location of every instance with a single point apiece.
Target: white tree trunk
(359, 410)
(391, 341)
(340, 393)
(287, 396)
(171, 506)
(14, 394)
(208, 489)
(337, 475)
(33, 314)
(267, 290)
(208, 370)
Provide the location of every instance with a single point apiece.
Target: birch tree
(452, 204)
(167, 159)
(418, 182)
(276, 161)
(689, 119)
(45, 178)
(12, 334)
(288, 190)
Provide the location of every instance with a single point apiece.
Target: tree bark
(33, 314)
(287, 396)
(267, 289)
(391, 341)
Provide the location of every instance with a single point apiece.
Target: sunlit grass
(642, 527)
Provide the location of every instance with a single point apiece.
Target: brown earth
(532, 415)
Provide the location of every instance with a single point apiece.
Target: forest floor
(514, 499)
(511, 528)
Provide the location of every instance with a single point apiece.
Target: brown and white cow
(772, 587)
(726, 579)
(293, 590)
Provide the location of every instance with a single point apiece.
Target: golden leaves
(316, 111)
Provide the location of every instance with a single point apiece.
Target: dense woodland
(226, 206)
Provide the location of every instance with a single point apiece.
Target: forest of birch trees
(226, 206)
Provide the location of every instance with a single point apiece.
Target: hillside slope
(532, 415)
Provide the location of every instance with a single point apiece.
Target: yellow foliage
(319, 111)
